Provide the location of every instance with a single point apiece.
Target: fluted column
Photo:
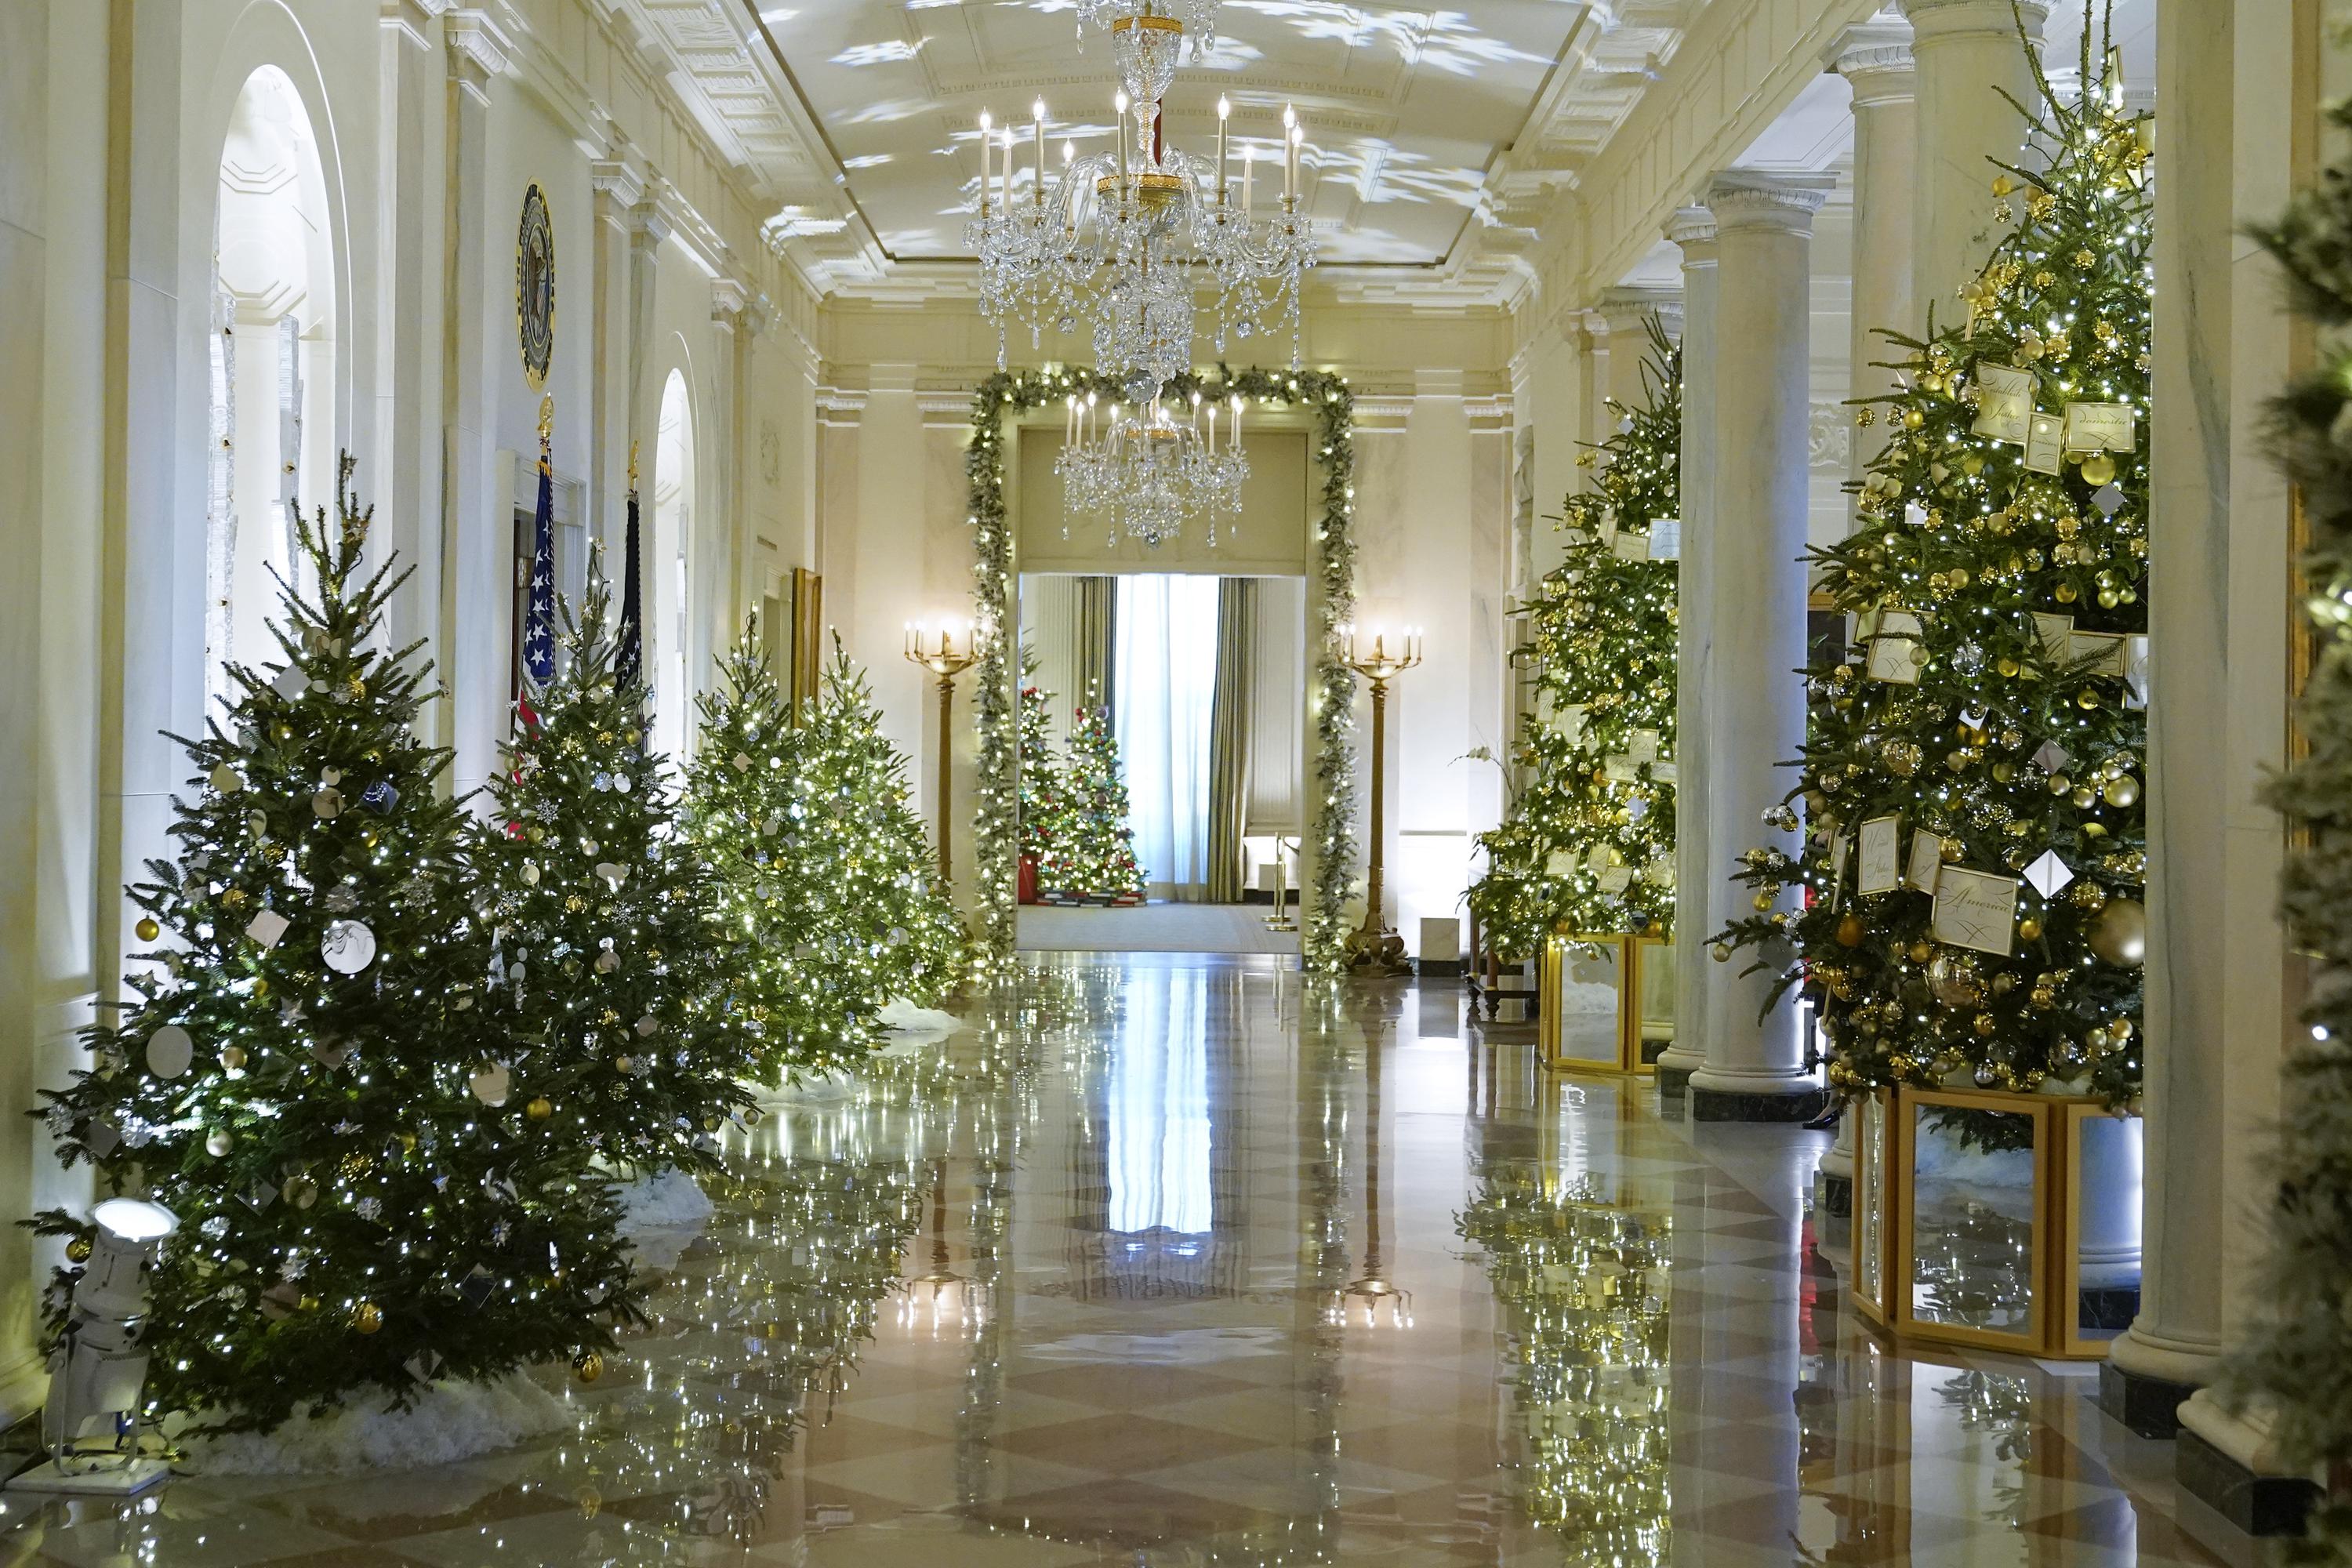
(1753, 705)
(1692, 229)
(1965, 50)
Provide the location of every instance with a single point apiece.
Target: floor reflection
(1187, 1260)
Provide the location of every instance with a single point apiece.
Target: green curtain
(1097, 628)
(1228, 736)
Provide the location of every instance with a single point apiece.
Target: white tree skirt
(450, 1421)
(903, 1017)
(660, 1217)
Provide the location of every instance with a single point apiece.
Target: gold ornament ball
(1763, 901)
(540, 1109)
(2065, 594)
(147, 929)
(301, 1192)
(77, 1250)
(2098, 468)
(2029, 928)
(367, 1317)
(1985, 1024)
(1953, 983)
(1849, 931)
(1919, 951)
(232, 1057)
(588, 1366)
(2120, 934)
(2008, 667)
(2123, 791)
(1722, 951)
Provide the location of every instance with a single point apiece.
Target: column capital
(1934, 21)
(410, 18)
(479, 48)
(728, 299)
(1623, 310)
(1876, 61)
(647, 226)
(618, 185)
(1741, 200)
(1693, 228)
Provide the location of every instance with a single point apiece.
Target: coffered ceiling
(1428, 129)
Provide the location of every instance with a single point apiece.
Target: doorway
(1182, 687)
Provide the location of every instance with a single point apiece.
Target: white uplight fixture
(99, 1370)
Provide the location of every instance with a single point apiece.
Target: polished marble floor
(1185, 1260)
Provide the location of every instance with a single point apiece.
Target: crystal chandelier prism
(1198, 16)
(1126, 239)
(1144, 471)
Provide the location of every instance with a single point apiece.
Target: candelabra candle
(1039, 195)
(1249, 166)
(1289, 168)
(1008, 171)
(1119, 103)
(1224, 112)
(985, 124)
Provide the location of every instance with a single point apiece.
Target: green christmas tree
(1044, 793)
(805, 1008)
(2297, 1357)
(863, 841)
(1094, 856)
(608, 951)
(1984, 738)
(304, 1075)
(1588, 844)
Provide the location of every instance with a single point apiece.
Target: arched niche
(272, 338)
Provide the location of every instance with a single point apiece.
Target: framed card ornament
(1631, 546)
(1926, 860)
(535, 287)
(1667, 538)
(1894, 651)
(2045, 443)
(2005, 402)
(1878, 870)
(2101, 426)
(1976, 909)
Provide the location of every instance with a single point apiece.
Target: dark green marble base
(2255, 1505)
(1721, 1105)
(2148, 1406)
(1674, 1081)
(1837, 1196)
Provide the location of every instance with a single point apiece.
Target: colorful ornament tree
(1588, 844)
(1093, 855)
(1984, 738)
(607, 944)
(2297, 1356)
(862, 839)
(303, 1075)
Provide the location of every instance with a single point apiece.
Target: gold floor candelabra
(943, 659)
(1375, 948)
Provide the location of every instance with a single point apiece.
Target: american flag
(538, 620)
(631, 660)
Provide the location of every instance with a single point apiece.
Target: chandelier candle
(1038, 194)
(1224, 112)
(984, 123)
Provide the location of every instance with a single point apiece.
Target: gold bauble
(1952, 980)
(2098, 468)
(77, 1250)
(2081, 797)
(2108, 598)
(2086, 698)
(300, 1191)
(1763, 901)
(2064, 594)
(2004, 772)
(1919, 951)
(367, 1318)
(2089, 897)
(2123, 791)
(1849, 931)
(1985, 1024)
(588, 1366)
(232, 1057)
(540, 1109)
(1722, 953)
(2029, 928)
(147, 929)
(2120, 934)
(1913, 419)
(2007, 667)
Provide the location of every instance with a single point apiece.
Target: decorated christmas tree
(368, 1195)
(862, 840)
(607, 950)
(1093, 855)
(1975, 853)
(1588, 844)
(2297, 1358)
(1044, 793)
(807, 1005)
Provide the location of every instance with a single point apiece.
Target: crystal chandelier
(1143, 471)
(1198, 18)
(1126, 239)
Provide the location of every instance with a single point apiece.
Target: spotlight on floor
(99, 1369)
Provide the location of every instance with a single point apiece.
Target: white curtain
(1159, 1144)
(1165, 684)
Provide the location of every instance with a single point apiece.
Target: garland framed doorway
(1329, 876)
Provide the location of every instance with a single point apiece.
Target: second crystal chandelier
(1145, 470)
(1127, 237)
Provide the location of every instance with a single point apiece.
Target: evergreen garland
(2297, 1358)
(1589, 845)
(370, 1186)
(1331, 695)
(2003, 720)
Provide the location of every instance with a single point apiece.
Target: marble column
(406, 463)
(2238, 80)
(1753, 705)
(717, 554)
(1965, 50)
(618, 187)
(1876, 60)
(1692, 229)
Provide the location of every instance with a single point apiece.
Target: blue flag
(539, 619)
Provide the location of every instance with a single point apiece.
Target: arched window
(666, 572)
(272, 367)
